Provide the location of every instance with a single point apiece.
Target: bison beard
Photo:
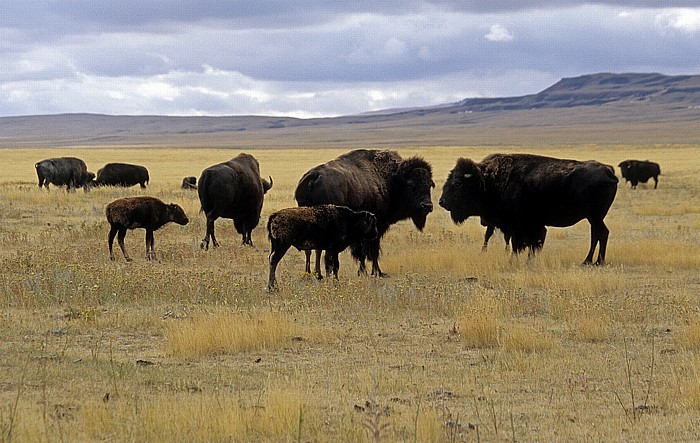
(378, 181)
(521, 194)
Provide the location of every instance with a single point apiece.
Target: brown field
(456, 345)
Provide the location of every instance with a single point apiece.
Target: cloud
(685, 20)
(498, 33)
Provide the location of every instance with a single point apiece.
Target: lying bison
(522, 193)
(324, 227)
(233, 189)
(148, 213)
(122, 174)
(189, 183)
(381, 182)
(636, 171)
(64, 171)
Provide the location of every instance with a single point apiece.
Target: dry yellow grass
(456, 345)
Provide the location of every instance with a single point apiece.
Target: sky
(321, 58)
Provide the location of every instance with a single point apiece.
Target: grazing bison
(636, 171)
(140, 212)
(189, 183)
(381, 182)
(521, 194)
(324, 227)
(234, 190)
(122, 174)
(69, 171)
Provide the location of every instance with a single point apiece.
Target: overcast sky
(310, 58)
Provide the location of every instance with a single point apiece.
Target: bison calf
(148, 213)
(324, 227)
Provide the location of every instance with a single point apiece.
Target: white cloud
(686, 20)
(498, 33)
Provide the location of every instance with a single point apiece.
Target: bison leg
(210, 234)
(120, 240)
(112, 233)
(599, 235)
(247, 237)
(276, 254)
(656, 181)
(150, 251)
(487, 236)
(332, 264)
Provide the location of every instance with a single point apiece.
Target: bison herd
(351, 201)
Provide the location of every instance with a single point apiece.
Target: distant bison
(234, 190)
(64, 171)
(148, 213)
(324, 227)
(189, 183)
(378, 181)
(521, 194)
(122, 174)
(636, 171)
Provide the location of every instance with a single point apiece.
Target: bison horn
(267, 185)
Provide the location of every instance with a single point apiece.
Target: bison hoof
(204, 245)
(129, 259)
(317, 275)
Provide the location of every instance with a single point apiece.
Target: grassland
(456, 345)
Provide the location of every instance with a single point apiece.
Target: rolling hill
(598, 109)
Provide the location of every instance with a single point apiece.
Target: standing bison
(636, 171)
(324, 227)
(122, 174)
(148, 213)
(521, 194)
(69, 171)
(234, 190)
(381, 182)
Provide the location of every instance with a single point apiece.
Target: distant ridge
(596, 108)
(599, 89)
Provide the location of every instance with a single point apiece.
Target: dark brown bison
(381, 182)
(324, 227)
(234, 190)
(148, 213)
(521, 194)
(64, 171)
(122, 174)
(636, 171)
(189, 183)
(534, 240)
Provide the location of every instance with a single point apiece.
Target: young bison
(140, 212)
(324, 227)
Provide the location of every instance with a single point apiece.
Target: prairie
(455, 345)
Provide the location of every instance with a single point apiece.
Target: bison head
(411, 191)
(266, 184)
(463, 190)
(176, 214)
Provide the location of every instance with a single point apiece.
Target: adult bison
(189, 183)
(522, 193)
(234, 190)
(636, 171)
(64, 171)
(378, 181)
(122, 174)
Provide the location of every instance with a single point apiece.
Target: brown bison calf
(140, 212)
(324, 227)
